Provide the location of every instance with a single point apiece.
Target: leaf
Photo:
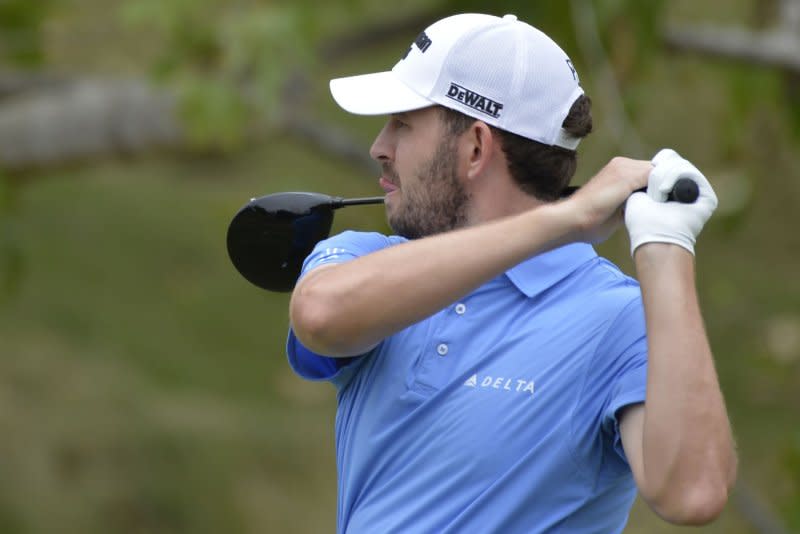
(213, 113)
(21, 31)
(230, 61)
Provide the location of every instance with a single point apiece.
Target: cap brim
(380, 93)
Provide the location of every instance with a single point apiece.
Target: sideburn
(441, 203)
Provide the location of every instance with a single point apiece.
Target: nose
(381, 149)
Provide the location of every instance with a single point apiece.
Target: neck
(499, 197)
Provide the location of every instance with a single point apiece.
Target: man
(493, 373)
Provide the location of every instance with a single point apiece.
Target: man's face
(424, 192)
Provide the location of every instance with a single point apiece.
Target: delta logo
(500, 383)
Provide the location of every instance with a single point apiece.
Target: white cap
(499, 70)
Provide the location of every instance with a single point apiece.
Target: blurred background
(143, 382)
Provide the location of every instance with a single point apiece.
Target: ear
(479, 144)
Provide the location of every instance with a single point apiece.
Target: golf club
(685, 191)
(270, 237)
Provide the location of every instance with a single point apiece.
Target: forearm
(688, 455)
(348, 308)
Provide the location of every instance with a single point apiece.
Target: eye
(399, 123)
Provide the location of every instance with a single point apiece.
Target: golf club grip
(684, 191)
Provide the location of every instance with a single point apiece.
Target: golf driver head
(270, 237)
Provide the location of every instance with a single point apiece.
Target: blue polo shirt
(496, 414)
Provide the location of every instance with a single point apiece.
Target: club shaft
(341, 202)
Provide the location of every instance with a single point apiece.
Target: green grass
(141, 377)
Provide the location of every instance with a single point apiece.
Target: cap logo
(572, 69)
(422, 41)
(474, 100)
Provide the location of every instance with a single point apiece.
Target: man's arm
(346, 309)
(679, 442)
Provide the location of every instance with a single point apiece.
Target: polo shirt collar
(540, 272)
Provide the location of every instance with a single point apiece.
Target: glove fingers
(649, 218)
(677, 169)
(707, 194)
(671, 167)
(662, 155)
(662, 178)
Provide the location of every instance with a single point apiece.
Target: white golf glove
(650, 218)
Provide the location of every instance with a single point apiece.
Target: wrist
(660, 238)
(561, 222)
(662, 256)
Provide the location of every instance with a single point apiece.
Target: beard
(436, 203)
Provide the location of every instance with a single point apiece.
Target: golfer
(494, 374)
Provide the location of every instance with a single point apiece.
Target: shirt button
(460, 308)
(441, 349)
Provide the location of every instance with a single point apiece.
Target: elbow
(695, 494)
(701, 509)
(319, 327)
(311, 322)
(696, 506)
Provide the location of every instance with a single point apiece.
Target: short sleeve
(625, 346)
(337, 249)
(616, 377)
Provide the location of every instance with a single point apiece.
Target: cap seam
(474, 32)
(521, 52)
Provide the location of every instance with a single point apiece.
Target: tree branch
(775, 48)
(63, 121)
(48, 120)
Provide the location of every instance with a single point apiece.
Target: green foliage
(630, 32)
(230, 61)
(21, 31)
(792, 462)
(791, 96)
(751, 90)
(215, 115)
(11, 259)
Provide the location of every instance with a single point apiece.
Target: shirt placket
(442, 348)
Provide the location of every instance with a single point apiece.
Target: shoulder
(601, 296)
(359, 242)
(606, 285)
(347, 246)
